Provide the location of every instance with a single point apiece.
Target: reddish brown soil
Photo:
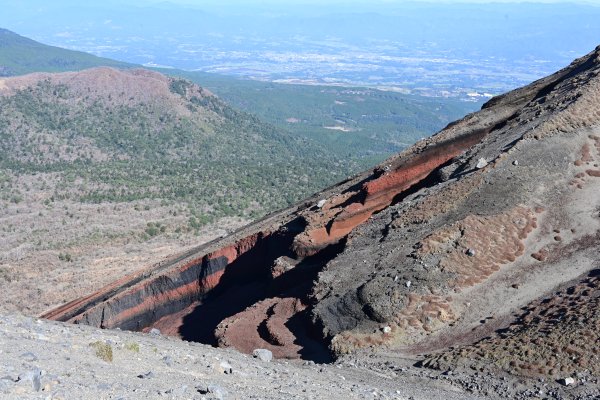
(493, 241)
(555, 337)
(263, 325)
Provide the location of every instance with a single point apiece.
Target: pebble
(168, 360)
(29, 356)
(263, 354)
(215, 390)
(178, 392)
(146, 375)
(226, 367)
(566, 381)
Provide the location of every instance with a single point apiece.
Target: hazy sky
(349, 2)
(282, 4)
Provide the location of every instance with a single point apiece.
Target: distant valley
(465, 51)
(359, 123)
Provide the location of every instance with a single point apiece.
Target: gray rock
(470, 252)
(29, 356)
(481, 163)
(180, 391)
(226, 367)
(263, 354)
(446, 172)
(566, 381)
(146, 375)
(168, 360)
(155, 332)
(216, 391)
(9, 378)
(34, 377)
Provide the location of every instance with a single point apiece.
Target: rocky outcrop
(463, 227)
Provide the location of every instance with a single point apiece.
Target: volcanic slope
(440, 246)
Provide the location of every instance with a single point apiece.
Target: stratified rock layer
(436, 247)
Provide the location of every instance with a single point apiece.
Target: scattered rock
(481, 163)
(386, 329)
(263, 354)
(470, 252)
(566, 381)
(321, 203)
(516, 162)
(226, 367)
(34, 377)
(29, 356)
(146, 375)
(178, 392)
(8, 378)
(154, 331)
(408, 283)
(215, 390)
(168, 360)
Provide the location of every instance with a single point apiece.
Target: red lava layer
(336, 221)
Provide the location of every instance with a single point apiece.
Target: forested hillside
(105, 169)
(20, 55)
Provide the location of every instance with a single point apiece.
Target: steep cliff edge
(438, 246)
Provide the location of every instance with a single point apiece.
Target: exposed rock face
(412, 255)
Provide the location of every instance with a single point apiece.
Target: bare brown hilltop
(477, 248)
(105, 171)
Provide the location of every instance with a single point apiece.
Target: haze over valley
(465, 50)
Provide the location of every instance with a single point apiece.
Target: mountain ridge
(20, 55)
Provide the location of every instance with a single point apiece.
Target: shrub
(103, 350)
(133, 347)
